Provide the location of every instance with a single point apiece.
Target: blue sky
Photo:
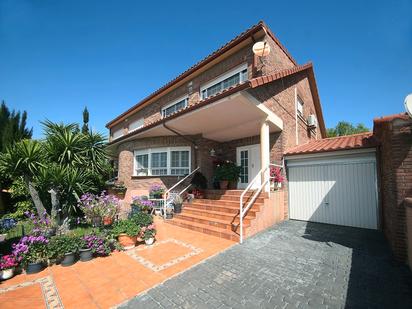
(58, 56)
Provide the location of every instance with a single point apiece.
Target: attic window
(225, 81)
(174, 107)
(299, 106)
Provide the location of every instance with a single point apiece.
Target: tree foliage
(85, 127)
(59, 168)
(346, 128)
(12, 127)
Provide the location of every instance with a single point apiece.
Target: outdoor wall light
(212, 152)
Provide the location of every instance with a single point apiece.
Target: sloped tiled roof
(356, 141)
(244, 35)
(253, 83)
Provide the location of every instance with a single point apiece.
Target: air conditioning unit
(312, 122)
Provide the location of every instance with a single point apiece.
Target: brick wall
(395, 158)
(200, 157)
(276, 60)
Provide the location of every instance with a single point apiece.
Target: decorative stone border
(49, 290)
(134, 254)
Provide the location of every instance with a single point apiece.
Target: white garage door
(338, 190)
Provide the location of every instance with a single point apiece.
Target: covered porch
(237, 127)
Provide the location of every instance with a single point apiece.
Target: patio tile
(107, 282)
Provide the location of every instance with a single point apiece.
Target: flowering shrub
(276, 174)
(148, 232)
(41, 225)
(6, 225)
(98, 244)
(8, 261)
(142, 204)
(98, 206)
(31, 249)
(141, 219)
(156, 189)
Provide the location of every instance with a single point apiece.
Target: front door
(248, 157)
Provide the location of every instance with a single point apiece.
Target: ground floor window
(162, 161)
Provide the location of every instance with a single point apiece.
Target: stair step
(221, 208)
(234, 193)
(225, 202)
(205, 228)
(223, 223)
(218, 214)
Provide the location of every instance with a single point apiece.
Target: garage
(333, 186)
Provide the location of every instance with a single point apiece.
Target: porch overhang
(235, 116)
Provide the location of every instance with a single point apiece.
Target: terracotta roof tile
(236, 40)
(391, 118)
(356, 141)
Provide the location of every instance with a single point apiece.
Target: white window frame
(184, 98)
(224, 76)
(168, 150)
(119, 132)
(299, 103)
(139, 121)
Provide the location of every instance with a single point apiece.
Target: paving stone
(292, 265)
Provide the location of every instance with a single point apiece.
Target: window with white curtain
(173, 161)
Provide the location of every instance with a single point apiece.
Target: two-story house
(248, 102)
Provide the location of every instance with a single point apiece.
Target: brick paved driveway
(294, 264)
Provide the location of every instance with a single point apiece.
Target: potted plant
(169, 211)
(93, 245)
(156, 191)
(177, 204)
(7, 265)
(199, 182)
(66, 247)
(148, 234)
(126, 232)
(140, 204)
(227, 172)
(110, 205)
(99, 209)
(31, 252)
(276, 178)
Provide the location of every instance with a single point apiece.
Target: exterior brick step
(204, 228)
(222, 208)
(258, 201)
(233, 193)
(218, 214)
(223, 223)
(232, 198)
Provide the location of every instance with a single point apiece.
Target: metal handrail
(243, 211)
(174, 186)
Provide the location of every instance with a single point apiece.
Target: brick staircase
(218, 213)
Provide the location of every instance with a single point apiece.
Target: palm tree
(26, 159)
(65, 165)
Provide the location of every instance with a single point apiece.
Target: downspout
(195, 146)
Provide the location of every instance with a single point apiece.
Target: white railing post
(266, 180)
(174, 186)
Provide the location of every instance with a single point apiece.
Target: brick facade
(395, 158)
(278, 96)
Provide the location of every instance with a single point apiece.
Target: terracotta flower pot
(223, 184)
(126, 241)
(107, 221)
